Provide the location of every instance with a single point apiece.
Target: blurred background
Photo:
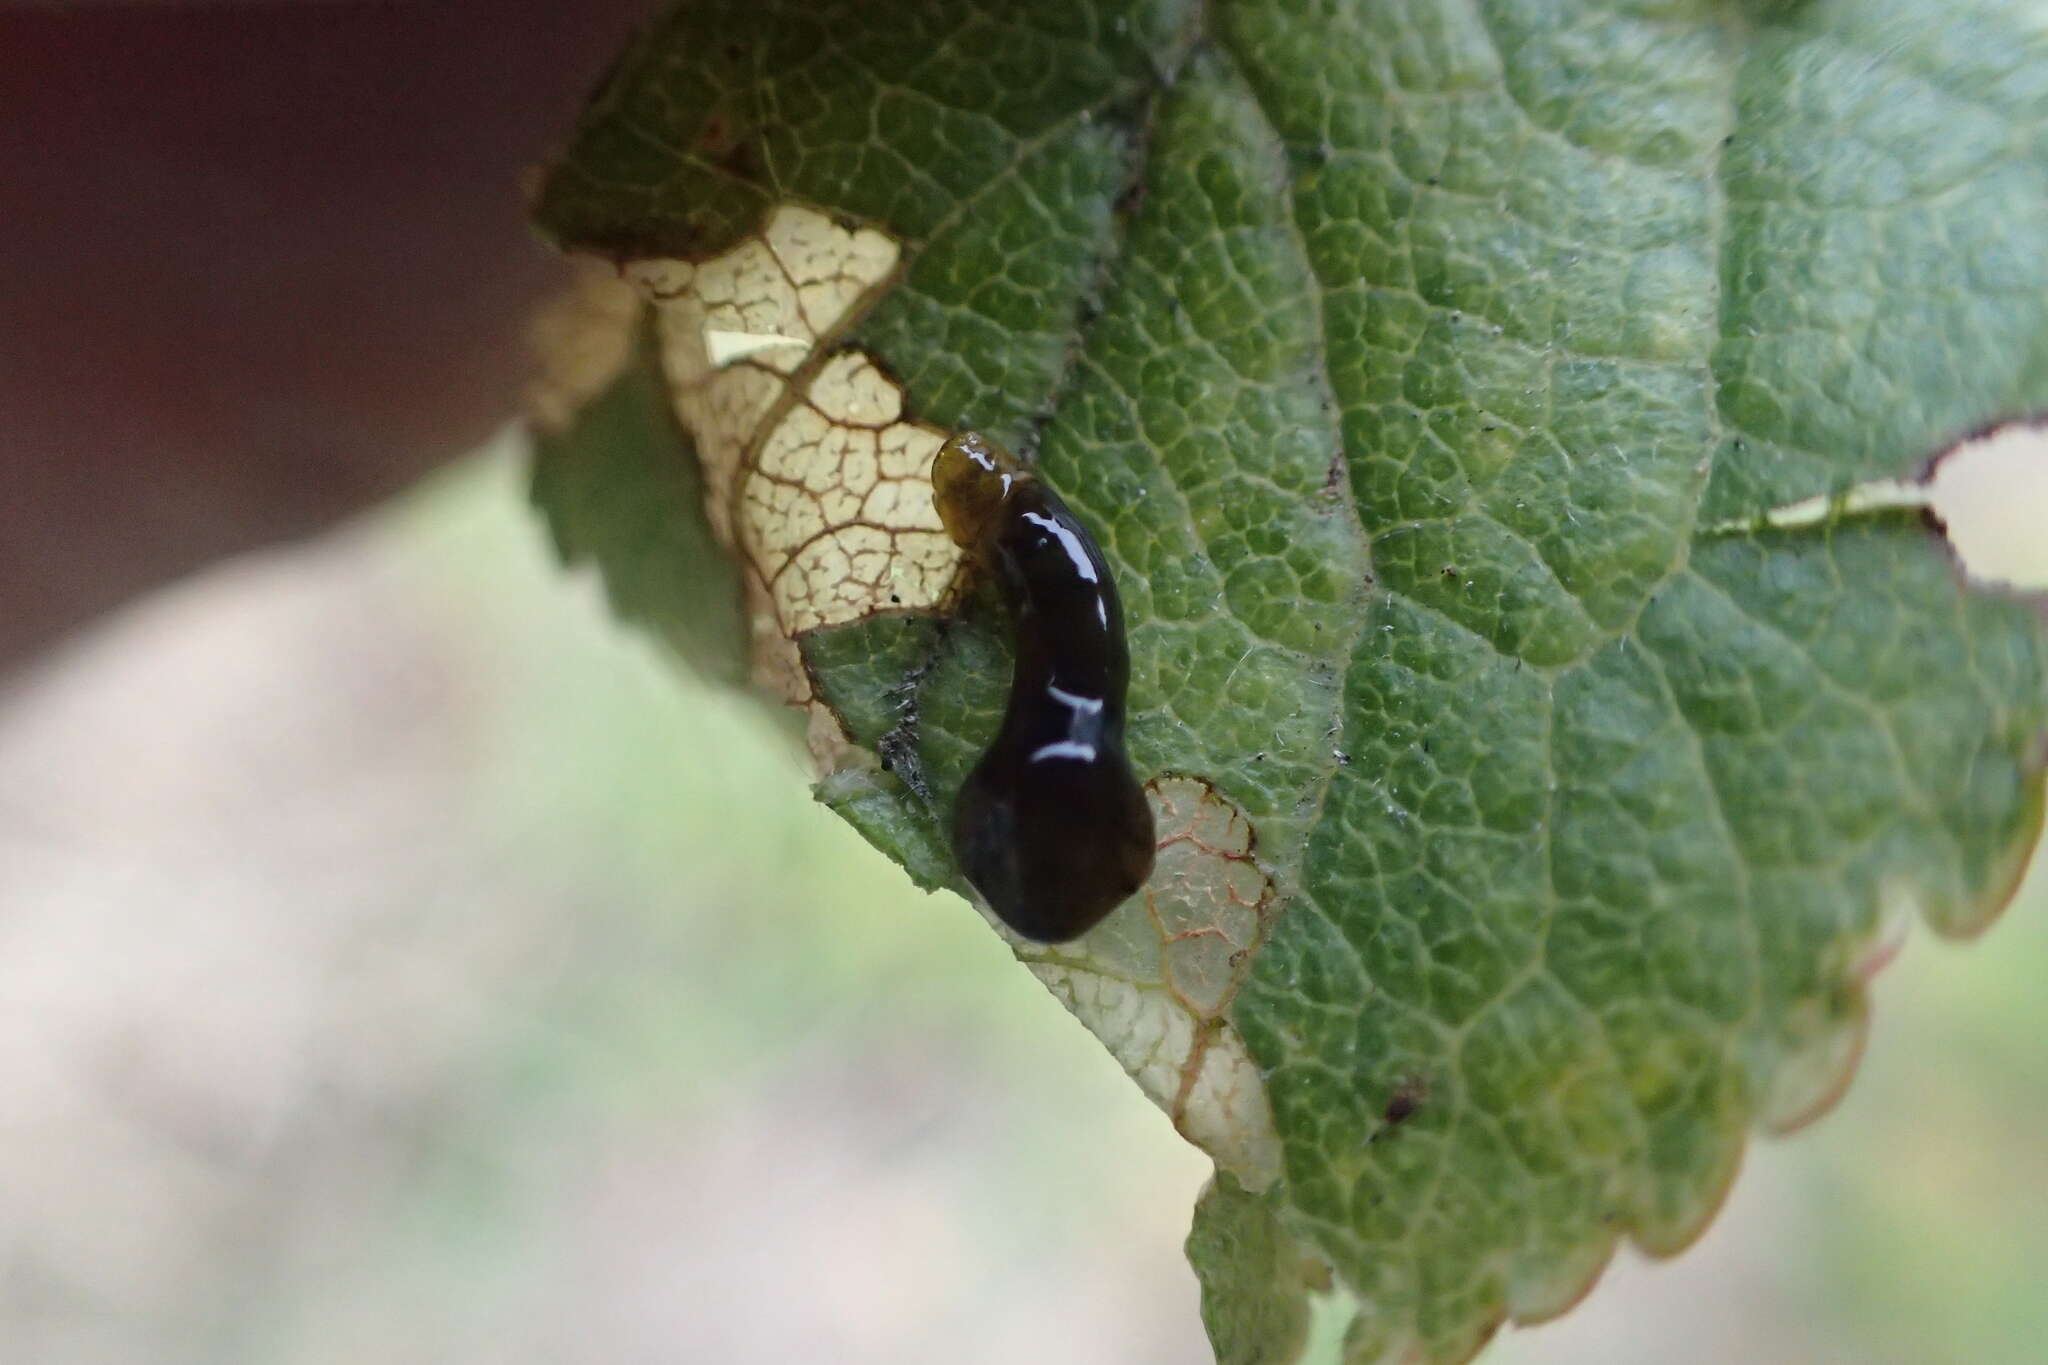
(400, 962)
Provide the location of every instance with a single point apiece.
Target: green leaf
(1427, 373)
(1255, 1285)
(621, 487)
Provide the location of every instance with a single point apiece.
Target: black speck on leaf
(1408, 1097)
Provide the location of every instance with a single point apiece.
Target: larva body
(1051, 827)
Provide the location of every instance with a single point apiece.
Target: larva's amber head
(971, 480)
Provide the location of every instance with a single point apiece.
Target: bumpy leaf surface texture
(1427, 371)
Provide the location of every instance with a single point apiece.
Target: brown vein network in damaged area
(1208, 897)
(837, 506)
(1157, 987)
(813, 478)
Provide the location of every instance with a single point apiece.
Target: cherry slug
(1051, 827)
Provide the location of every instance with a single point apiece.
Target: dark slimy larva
(1051, 827)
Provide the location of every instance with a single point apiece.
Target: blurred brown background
(260, 264)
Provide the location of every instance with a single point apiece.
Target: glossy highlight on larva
(1051, 827)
